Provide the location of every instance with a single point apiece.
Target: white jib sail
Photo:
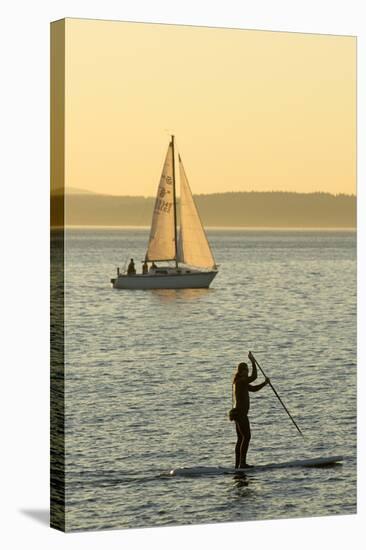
(162, 241)
(193, 246)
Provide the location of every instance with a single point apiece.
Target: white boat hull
(194, 279)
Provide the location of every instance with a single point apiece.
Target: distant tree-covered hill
(243, 209)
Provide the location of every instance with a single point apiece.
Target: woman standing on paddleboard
(242, 388)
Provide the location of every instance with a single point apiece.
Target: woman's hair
(239, 371)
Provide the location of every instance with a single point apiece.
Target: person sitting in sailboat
(131, 270)
(145, 268)
(153, 266)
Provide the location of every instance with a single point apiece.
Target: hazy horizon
(249, 109)
(75, 191)
(237, 209)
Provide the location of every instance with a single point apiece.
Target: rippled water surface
(148, 380)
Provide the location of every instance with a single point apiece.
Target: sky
(250, 110)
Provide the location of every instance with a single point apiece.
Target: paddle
(276, 394)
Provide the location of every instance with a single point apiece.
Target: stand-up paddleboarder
(242, 387)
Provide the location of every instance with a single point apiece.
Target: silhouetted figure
(242, 388)
(131, 270)
(153, 266)
(145, 267)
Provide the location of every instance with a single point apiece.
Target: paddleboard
(221, 470)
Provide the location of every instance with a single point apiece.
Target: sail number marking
(162, 206)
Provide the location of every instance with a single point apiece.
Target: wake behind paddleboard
(221, 470)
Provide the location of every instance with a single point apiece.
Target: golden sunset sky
(251, 110)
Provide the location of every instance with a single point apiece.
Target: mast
(175, 205)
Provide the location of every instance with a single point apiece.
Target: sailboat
(194, 264)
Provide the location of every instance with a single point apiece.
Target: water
(148, 380)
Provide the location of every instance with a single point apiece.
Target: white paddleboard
(220, 470)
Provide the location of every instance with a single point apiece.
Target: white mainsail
(162, 234)
(193, 247)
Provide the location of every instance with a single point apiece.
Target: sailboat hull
(196, 279)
